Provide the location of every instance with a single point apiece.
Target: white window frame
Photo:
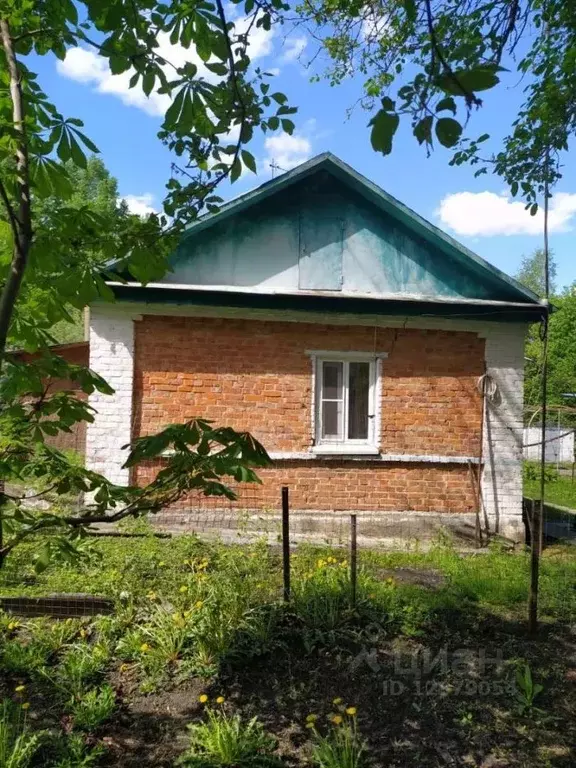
(369, 445)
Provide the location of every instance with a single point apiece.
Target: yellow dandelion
(320, 564)
(161, 564)
(20, 688)
(144, 647)
(203, 699)
(311, 718)
(124, 667)
(198, 604)
(310, 725)
(183, 588)
(220, 700)
(151, 595)
(13, 625)
(351, 711)
(83, 633)
(337, 719)
(344, 563)
(337, 701)
(186, 562)
(26, 705)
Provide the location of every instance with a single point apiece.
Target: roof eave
(332, 303)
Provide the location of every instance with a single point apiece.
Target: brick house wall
(77, 354)
(251, 369)
(255, 375)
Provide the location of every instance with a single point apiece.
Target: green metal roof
(378, 197)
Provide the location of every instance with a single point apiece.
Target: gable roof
(371, 192)
(520, 301)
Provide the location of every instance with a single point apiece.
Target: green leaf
(533, 209)
(463, 82)
(248, 160)
(410, 10)
(288, 126)
(448, 131)
(78, 157)
(236, 170)
(514, 188)
(87, 142)
(384, 126)
(279, 98)
(148, 82)
(446, 104)
(423, 130)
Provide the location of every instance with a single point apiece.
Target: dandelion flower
(337, 719)
(20, 688)
(351, 711)
(151, 595)
(124, 667)
(144, 647)
(337, 701)
(83, 633)
(161, 564)
(310, 725)
(311, 718)
(26, 705)
(13, 625)
(198, 604)
(220, 700)
(183, 588)
(186, 562)
(203, 699)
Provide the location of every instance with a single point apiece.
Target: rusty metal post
(286, 542)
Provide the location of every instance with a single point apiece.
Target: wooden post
(286, 543)
(353, 560)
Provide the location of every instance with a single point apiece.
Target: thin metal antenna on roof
(275, 167)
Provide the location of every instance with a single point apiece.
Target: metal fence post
(286, 543)
(353, 560)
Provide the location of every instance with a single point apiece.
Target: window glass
(358, 400)
(332, 416)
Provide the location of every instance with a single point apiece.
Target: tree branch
(23, 240)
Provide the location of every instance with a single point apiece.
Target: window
(345, 408)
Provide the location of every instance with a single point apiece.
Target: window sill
(346, 450)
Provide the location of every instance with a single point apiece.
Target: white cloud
(86, 66)
(374, 26)
(293, 48)
(287, 151)
(485, 214)
(141, 205)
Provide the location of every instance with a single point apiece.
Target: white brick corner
(504, 431)
(111, 356)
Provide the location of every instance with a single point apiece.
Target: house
(378, 360)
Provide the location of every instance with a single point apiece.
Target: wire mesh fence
(283, 529)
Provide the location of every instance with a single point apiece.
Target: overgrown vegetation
(201, 638)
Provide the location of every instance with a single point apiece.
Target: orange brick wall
(77, 354)
(349, 486)
(255, 375)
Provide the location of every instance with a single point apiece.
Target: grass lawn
(432, 668)
(560, 490)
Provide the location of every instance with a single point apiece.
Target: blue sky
(477, 212)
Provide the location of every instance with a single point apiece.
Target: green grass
(561, 491)
(190, 610)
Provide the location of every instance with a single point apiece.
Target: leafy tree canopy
(532, 274)
(62, 234)
(429, 64)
